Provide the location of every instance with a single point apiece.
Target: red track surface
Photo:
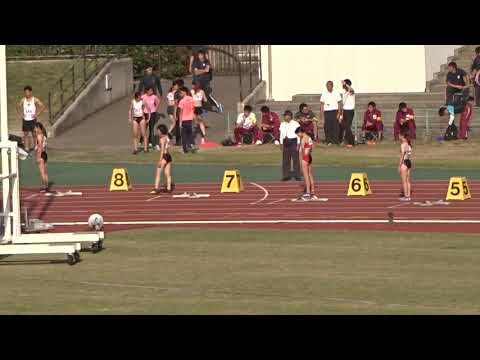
(265, 201)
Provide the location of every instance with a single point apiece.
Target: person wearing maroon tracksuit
(465, 118)
(270, 124)
(307, 121)
(405, 118)
(372, 122)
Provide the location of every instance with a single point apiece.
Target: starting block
(120, 180)
(232, 182)
(458, 189)
(359, 185)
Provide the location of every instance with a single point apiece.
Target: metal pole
(270, 80)
(4, 138)
(259, 49)
(250, 68)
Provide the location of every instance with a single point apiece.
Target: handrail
(250, 61)
(65, 90)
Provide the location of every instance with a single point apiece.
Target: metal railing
(244, 61)
(69, 85)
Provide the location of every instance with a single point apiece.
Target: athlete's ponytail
(406, 134)
(40, 126)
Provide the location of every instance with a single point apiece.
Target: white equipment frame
(13, 242)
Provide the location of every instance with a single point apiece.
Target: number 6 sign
(359, 185)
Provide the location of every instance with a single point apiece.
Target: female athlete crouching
(305, 153)
(165, 162)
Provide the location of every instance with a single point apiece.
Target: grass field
(455, 154)
(41, 75)
(187, 271)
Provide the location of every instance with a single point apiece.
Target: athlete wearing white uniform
(199, 98)
(29, 109)
(137, 110)
(136, 117)
(164, 164)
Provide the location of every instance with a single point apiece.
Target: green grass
(455, 155)
(185, 271)
(41, 75)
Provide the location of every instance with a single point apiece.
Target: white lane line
(398, 205)
(286, 221)
(156, 197)
(276, 202)
(30, 197)
(264, 190)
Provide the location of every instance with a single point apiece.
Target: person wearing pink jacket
(153, 102)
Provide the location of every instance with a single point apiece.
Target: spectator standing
(187, 107)
(456, 82)
(476, 76)
(331, 107)
(348, 102)
(172, 108)
(289, 142)
(202, 73)
(194, 51)
(150, 81)
(246, 124)
(308, 121)
(405, 119)
(29, 109)
(177, 97)
(270, 125)
(372, 127)
(153, 102)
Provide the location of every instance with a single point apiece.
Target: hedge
(173, 59)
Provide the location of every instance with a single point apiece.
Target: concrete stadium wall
(436, 55)
(304, 69)
(95, 96)
(258, 94)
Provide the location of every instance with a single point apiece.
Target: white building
(304, 69)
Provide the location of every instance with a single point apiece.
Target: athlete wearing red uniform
(405, 118)
(305, 154)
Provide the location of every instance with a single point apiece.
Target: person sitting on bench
(246, 124)
(308, 121)
(270, 125)
(372, 127)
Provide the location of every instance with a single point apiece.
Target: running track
(260, 205)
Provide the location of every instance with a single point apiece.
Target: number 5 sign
(232, 182)
(458, 189)
(359, 185)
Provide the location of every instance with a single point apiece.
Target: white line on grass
(262, 188)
